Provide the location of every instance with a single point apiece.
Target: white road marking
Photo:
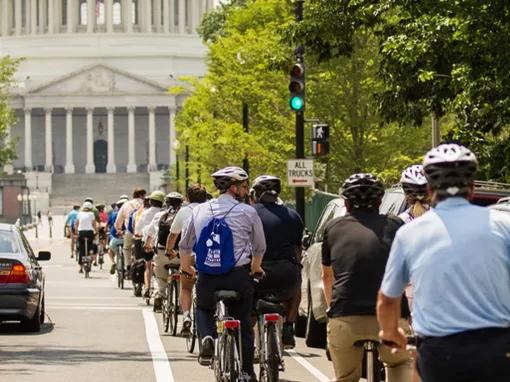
(308, 366)
(162, 368)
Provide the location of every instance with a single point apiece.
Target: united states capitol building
(92, 100)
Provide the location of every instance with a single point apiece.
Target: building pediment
(99, 80)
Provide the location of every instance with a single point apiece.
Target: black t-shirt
(283, 229)
(357, 247)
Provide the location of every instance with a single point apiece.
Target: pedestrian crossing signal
(320, 139)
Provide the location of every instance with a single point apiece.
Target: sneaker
(206, 351)
(113, 268)
(186, 326)
(288, 340)
(146, 292)
(158, 305)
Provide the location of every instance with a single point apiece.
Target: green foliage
(8, 67)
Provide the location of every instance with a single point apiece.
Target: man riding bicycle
(245, 253)
(70, 220)
(115, 239)
(86, 227)
(283, 230)
(457, 257)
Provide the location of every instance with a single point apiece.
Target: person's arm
(170, 244)
(258, 241)
(188, 239)
(94, 226)
(327, 280)
(121, 216)
(388, 314)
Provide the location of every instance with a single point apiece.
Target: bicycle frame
(226, 327)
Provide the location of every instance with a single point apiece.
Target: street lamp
(20, 200)
(175, 146)
(34, 199)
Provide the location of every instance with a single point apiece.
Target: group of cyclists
(247, 241)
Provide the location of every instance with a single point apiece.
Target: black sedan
(21, 280)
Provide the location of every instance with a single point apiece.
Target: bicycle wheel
(167, 302)
(172, 308)
(191, 339)
(175, 313)
(271, 365)
(231, 367)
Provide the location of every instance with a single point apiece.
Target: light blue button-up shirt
(243, 220)
(457, 256)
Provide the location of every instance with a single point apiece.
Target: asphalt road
(96, 332)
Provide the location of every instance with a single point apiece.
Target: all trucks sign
(300, 173)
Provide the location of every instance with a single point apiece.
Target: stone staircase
(69, 189)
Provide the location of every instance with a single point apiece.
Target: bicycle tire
(230, 364)
(175, 313)
(272, 362)
(191, 340)
(166, 309)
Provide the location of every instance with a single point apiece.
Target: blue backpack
(214, 248)
(131, 222)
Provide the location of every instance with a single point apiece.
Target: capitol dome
(92, 90)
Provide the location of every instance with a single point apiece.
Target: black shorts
(282, 280)
(140, 252)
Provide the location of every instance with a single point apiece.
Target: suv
(313, 304)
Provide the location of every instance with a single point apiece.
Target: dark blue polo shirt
(283, 229)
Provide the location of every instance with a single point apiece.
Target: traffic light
(320, 139)
(297, 87)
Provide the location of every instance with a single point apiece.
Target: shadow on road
(14, 328)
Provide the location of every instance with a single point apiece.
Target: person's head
(414, 184)
(174, 200)
(87, 206)
(139, 193)
(157, 199)
(197, 193)
(450, 170)
(75, 207)
(100, 207)
(146, 202)
(231, 180)
(124, 196)
(267, 188)
(120, 203)
(362, 191)
(89, 199)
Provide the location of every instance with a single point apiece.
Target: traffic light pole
(246, 124)
(300, 120)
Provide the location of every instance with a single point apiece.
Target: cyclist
(122, 220)
(249, 246)
(103, 227)
(115, 238)
(137, 235)
(94, 209)
(70, 220)
(355, 249)
(283, 229)
(156, 200)
(457, 256)
(414, 184)
(196, 194)
(86, 226)
(157, 234)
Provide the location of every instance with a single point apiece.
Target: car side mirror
(307, 240)
(44, 256)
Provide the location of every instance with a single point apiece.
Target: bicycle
(270, 315)
(192, 338)
(171, 302)
(86, 260)
(120, 267)
(227, 359)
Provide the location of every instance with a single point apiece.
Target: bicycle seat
(227, 296)
(171, 266)
(265, 307)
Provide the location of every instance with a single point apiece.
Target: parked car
(21, 280)
(312, 310)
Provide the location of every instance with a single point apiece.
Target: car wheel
(315, 331)
(43, 311)
(33, 324)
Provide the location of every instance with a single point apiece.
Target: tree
(8, 67)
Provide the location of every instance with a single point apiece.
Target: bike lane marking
(308, 366)
(160, 361)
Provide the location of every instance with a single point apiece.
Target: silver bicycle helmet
(414, 182)
(450, 169)
(267, 183)
(227, 176)
(363, 190)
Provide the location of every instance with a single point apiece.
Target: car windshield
(8, 243)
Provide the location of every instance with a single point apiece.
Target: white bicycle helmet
(414, 182)
(227, 176)
(87, 206)
(174, 195)
(266, 183)
(450, 169)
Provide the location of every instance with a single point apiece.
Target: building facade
(92, 89)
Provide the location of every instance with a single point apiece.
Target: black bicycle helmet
(363, 190)
(267, 183)
(450, 169)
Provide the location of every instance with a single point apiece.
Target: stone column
(171, 123)
(28, 139)
(172, 15)
(157, 16)
(210, 5)
(69, 167)
(42, 16)
(152, 139)
(51, 16)
(5, 18)
(48, 165)
(18, 19)
(128, 22)
(33, 16)
(109, 15)
(131, 166)
(166, 16)
(148, 16)
(8, 167)
(91, 16)
(28, 21)
(182, 16)
(71, 9)
(90, 167)
(111, 168)
(195, 16)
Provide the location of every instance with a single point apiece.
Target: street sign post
(300, 173)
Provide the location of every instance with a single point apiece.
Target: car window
(8, 243)
(27, 247)
(393, 203)
(326, 216)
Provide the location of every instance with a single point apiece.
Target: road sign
(300, 173)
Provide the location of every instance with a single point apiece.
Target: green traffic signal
(297, 103)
